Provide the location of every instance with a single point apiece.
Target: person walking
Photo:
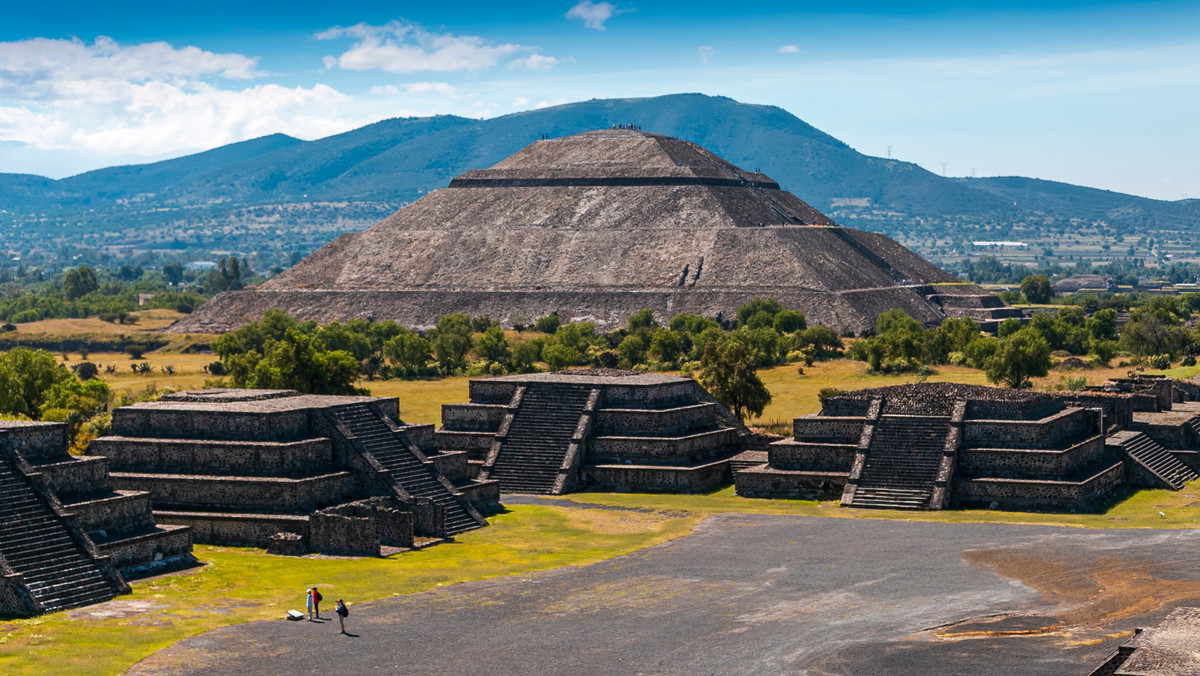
(342, 613)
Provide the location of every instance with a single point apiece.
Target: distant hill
(223, 197)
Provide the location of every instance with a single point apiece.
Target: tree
(642, 319)
(26, 378)
(548, 324)
(768, 305)
(1019, 357)
(789, 321)
(727, 371)
(1037, 289)
(452, 340)
(79, 282)
(665, 345)
(297, 361)
(407, 350)
(337, 336)
(174, 273)
(493, 346)
(559, 356)
(631, 350)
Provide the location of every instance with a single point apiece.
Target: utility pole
(889, 148)
(972, 172)
(943, 168)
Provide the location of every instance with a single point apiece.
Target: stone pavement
(748, 594)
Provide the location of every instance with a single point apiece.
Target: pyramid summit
(597, 226)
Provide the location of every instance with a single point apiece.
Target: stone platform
(594, 428)
(258, 467)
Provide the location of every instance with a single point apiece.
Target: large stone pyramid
(597, 226)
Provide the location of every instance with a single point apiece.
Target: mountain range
(381, 166)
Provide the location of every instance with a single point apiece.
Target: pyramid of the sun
(597, 226)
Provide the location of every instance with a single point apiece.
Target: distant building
(1076, 283)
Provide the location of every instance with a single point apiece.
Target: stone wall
(14, 599)
(654, 422)
(655, 478)
(473, 417)
(1030, 463)
(830, 429)
(1032, 494)
(769, 483)
(151, 550)
(117, 512)
(1118, 409)
(338, 534)
(77, 475)
(251, 530)
(811, 456)
(662, 450)
(1062, 427)
(170, 423)
(492, 391)
(453, 465)
(35, 441)
(269, 494)
(201, 456)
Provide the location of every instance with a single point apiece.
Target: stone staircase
(902, 462)
(1156, 459)
(541, 430)
(418, 478)
(58, 571)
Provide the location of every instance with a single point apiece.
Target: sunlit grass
(239, 585)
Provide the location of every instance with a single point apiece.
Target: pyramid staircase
(538, 438)
(902, 462)
(418, 477)
(1156, 459)
(54, 562)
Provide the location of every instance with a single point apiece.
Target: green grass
(239, 584)
(1136, 510)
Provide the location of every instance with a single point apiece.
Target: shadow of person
(346, 633)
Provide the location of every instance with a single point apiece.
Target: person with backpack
(316, 597)
(342, 613)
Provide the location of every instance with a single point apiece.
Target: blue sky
(1100, 94)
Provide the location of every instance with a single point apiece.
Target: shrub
(135, 351)
(217, 368)
(548, 324)
(8, 326)
(86, 370)
(1160, 361)
(1189, 360)
(829, 393)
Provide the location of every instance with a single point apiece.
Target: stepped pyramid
(597, 226)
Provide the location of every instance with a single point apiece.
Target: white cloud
(147, 99)
(42, 68)
(519, 101)
(403, 47)
(706, 54)
(534, 62)
(593, 14)
(789, 49)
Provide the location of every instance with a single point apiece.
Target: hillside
(230, 198)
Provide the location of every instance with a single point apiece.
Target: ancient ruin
(934, 445)
(597, 226)
(596, 428)
(1168, 649)
(292, 472)
(67, 539)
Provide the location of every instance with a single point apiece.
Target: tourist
(342, 614)
(316, 602)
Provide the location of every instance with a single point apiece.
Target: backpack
(343, 610)
(318, 596)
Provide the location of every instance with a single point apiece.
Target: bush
(548, 324)
(135, 351)
(1189, 360)
(26, 316)
(86, 370)
(829, 392)
(8, 326)
(217, 368)
(1159, 362)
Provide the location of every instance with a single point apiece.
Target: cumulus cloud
(404, 47)
(706, 54)
(534, 62)
(789, 49)
(147, 99)
(42, 67)
(592, 14)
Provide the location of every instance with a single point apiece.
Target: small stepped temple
(594, 428)
(67, 538)
(936, 445)
(291, 472)
(597, 226)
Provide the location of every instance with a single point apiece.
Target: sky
(1094, 93)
